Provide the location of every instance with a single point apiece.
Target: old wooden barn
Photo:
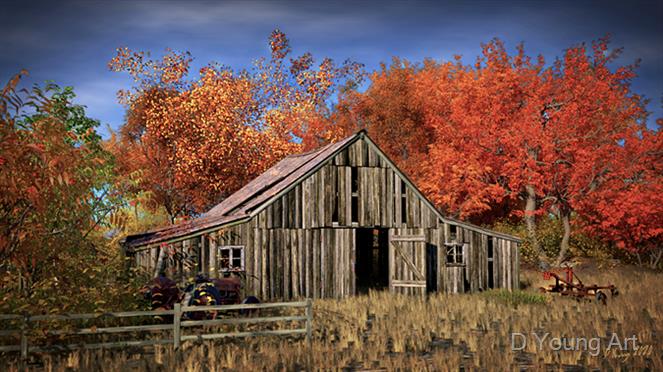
(332, 223)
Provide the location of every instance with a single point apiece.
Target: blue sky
(71, 42)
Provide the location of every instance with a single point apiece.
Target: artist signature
(624, 355)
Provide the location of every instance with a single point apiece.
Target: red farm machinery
(567, 283)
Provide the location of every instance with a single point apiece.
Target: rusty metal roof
(177, 230)
(276, 179)
(240, 204)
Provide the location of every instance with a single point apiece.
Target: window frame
(231, 258)
(455, 250)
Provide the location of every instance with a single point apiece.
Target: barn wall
(181, 260)
(284, 263)
(452, 278)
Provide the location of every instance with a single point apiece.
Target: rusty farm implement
(567, 283)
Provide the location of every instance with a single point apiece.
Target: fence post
(24, 337)
(177, 317)
(309, 321)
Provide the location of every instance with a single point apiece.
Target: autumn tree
(625, 207)
(443, 107)
(592, 115)
(508, 135)
(545, 136)
(391, 114)
(190, 143)
(55, 179)
(138, 162)
(474, 113)
(540, 135)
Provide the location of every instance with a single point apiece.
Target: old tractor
(163, 293)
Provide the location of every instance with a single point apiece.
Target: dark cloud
(71, 42)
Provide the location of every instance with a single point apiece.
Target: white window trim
(230, 249)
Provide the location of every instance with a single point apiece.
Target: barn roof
(276, 179)
(259, 193)
(238, 206)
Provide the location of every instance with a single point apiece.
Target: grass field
(382, 331)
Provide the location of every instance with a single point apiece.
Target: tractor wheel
(614, 292)
(601, 298)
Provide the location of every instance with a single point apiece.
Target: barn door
(407, 262)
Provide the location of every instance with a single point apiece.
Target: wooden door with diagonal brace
(407, 261)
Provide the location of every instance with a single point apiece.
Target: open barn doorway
(372, 261)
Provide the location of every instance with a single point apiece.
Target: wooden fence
(176, 327)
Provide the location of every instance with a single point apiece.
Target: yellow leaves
(215, 133)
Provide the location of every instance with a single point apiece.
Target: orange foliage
(192, 143)
(486, 122)
(392, 116)
(626, 206)
(475, 137)
(47, 180)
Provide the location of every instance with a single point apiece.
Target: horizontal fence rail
(176, 326)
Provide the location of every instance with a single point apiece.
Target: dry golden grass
(443, 332)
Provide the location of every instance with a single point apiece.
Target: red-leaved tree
(508, 135)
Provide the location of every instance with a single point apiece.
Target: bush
(550, 231)
(96, 282)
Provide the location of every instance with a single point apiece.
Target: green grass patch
(516, 297)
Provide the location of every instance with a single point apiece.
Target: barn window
(231, 258)
(454, 253)
(453, 233)
(354, 182)
(403, 203)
